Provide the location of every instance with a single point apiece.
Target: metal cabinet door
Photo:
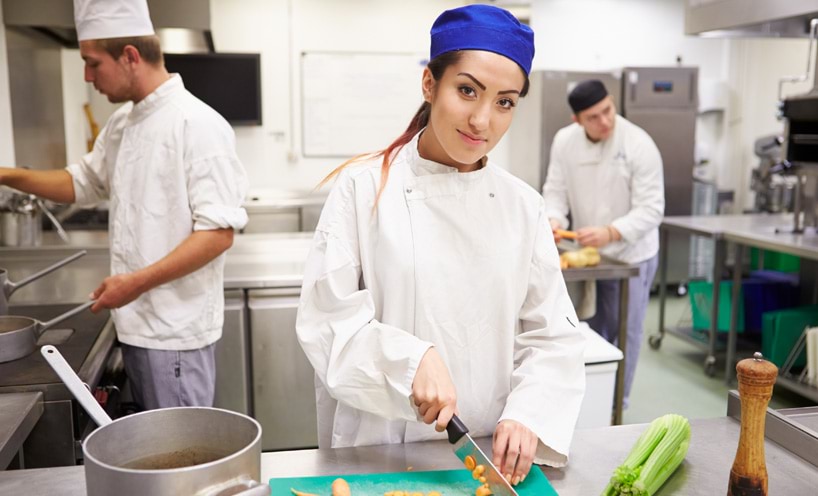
(232, 357)
(283, 379)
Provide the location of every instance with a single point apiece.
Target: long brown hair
(437, 66)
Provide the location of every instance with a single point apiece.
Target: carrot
(340, 488)
(562, 233)
(296, 492)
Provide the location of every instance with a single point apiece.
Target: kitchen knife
(463, 446)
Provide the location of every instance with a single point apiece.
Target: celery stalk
(655, 456)
(678, 432)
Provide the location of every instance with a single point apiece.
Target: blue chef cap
(483, 27)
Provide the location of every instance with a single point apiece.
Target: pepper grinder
(756, 377)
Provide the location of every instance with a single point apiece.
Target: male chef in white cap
(607, 172)
(168, 165)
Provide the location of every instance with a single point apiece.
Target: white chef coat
(617, 181)
(462, 261)
(168, 165)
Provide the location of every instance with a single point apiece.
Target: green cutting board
(447, 482)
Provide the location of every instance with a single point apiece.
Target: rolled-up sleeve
(216, 179)
(548, 382)
(217, 186)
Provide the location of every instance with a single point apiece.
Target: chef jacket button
(408, 190)
(491, 195)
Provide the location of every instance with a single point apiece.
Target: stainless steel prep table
(776, 237)
(716, 227)
(594, 455)
(19, 412)
(254, 261)
(770, 232)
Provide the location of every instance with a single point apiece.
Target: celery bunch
(655, 456)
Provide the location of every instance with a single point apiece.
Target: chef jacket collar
(156, 99)
(423, 167)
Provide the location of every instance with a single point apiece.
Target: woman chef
(433, 286)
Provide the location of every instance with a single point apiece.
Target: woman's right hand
(433, 391)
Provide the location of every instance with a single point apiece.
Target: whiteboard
(354, 103)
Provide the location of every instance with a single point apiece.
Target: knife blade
(463, 445)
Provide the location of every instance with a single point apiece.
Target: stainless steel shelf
(805, 390)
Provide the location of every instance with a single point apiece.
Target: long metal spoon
(75, 385)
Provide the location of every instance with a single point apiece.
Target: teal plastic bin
(781, 330)
(701, 304)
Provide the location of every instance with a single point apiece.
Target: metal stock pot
(167, 452)
(21, 220)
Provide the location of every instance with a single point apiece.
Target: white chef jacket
(464, 262)
(617, 181)
(169, 166)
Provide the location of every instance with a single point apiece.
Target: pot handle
(60, 231)
(240, 486)
(11, 287)
(56, 320)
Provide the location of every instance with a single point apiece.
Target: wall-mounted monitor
(228, 82)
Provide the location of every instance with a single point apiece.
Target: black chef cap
(586, 94)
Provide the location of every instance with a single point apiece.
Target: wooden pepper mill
(756, 377)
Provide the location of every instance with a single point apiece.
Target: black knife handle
(456, 429)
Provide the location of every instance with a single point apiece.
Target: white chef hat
(102, 19)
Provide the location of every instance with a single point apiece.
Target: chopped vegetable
(469, 462)
(585, 257)
(340, 488)
(296, 492)
(483, 491)
(656, 455)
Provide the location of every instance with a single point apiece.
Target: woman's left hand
(514, 447)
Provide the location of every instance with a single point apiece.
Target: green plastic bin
(774, 260)
(701, 303)
(781, 330)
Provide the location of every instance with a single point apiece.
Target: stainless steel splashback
(35, 80)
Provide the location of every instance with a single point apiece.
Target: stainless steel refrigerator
(661, 100)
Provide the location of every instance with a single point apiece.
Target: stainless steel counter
(19, 412)
(254, 261)
(595, 453)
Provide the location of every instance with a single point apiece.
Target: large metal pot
(19, 335)
(7, 287)
(186, 450)
(21, 221)
(172, 451)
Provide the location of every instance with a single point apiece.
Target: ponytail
(437, 66)
(418, 122)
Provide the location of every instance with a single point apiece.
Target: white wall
(6, 134)
(281, 30)
(610, 34)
